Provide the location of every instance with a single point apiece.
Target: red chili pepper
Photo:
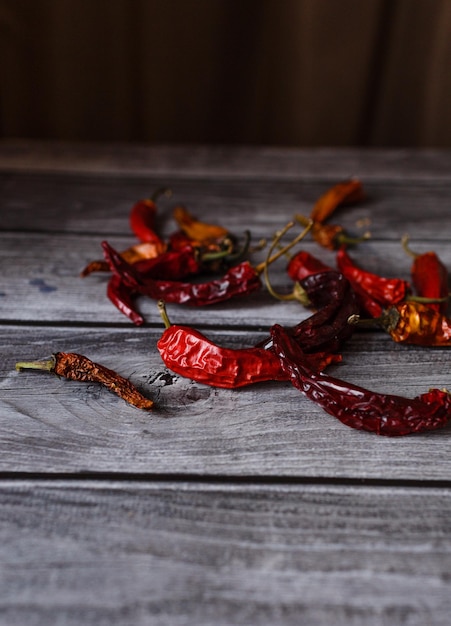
(123, 299)
(357, 407)
(430, 278)
(142, 220)
(304, 264)
(242, 279)
(384, 291)
(191, 354)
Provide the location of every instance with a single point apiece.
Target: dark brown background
(285, 72)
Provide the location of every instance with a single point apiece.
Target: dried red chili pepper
(133, 254)
(78, 367)
(142, 219)
(123, 299)
(304, 264)
(357, 407)
(241, 279)
(412, 323)
(189, 353)
(383, 291)
(429, 277)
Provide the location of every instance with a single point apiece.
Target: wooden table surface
(241, 507)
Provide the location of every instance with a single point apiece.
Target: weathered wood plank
(92, 203)
(221, 161)
(52, 425)
(211, 554)
(40, 282)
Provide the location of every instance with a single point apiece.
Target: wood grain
(223, 554)
(220, 506)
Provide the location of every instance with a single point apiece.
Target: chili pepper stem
(47, 365)
(164, 316)
(161, 191)
(406, 248)
(261, 266)
(425, 300)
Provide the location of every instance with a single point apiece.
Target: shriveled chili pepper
(189, 353)
(332, 236)
(303, 264)
(412, 323)
(429, 277)
(357, 407)
(196, 230)
(241, 279)
(133, 254)
(384, 291)
(123, 299)
(75, 366)
(142, 219)
(345, 192)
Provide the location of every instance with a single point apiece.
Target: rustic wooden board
(135, 554)
(53, 426)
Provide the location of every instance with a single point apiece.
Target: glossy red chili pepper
(189, 353)
(430, 278)
(384, 291)
(357, 407)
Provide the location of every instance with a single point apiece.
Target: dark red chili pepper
(123, 299)
(357, 407)
(75, 366)
(429, 277)
(142, 219)
(133, 254)
(242, 279)
(191, 354)
(171, 265)
(384, 291)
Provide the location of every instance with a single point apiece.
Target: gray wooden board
(52, 425)
(246, 507)
(170, 554)
(93, 204)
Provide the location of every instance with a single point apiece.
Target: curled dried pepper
(342, 193)
(75, 366)
(357, 407)
(198, 231)
(332, 236)
(240, 279)
(371, 287)
(186, 351)
(412, 323)
(142, 219)
(303, 264)
(133, 254)
(429, 277)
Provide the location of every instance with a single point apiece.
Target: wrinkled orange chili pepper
(198, 231)
(412, 323)
(75, 366)
(345, 192)
(332, 236)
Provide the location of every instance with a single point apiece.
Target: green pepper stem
(270, 259)
(406, 248)
(47, 365)
(164, 316)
